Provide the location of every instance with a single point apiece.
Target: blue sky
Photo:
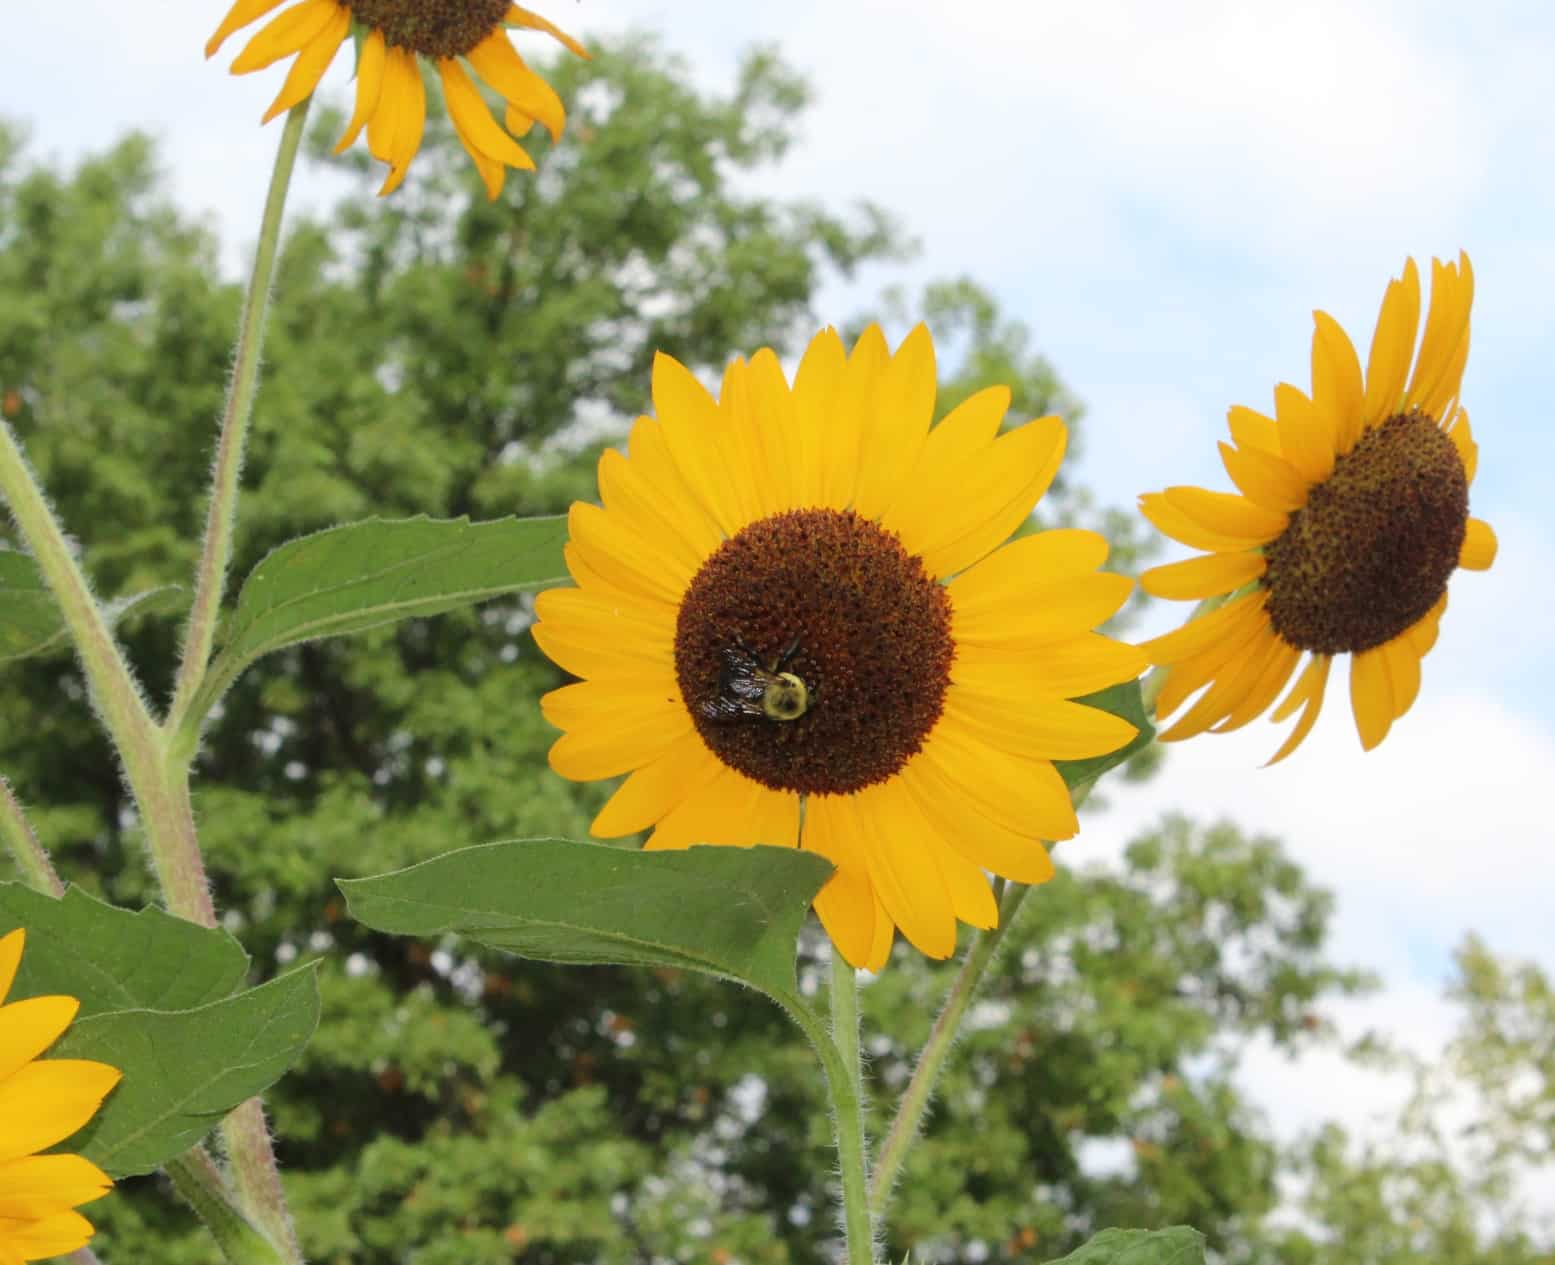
(1163, 193)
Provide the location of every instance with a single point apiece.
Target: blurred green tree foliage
(436, 353)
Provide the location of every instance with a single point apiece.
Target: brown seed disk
(433, 28)
(1372, 549)
(871, 631)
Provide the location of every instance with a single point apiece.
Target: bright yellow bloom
(796, 626)
(1353, 515)
(390, 97)
(42, 1102)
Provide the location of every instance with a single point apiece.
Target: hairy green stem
(931, 1060)
(197, 1179)
(843, 996)
(257, 1176)
(847, 1113)
(216, 553)
(24, 847)
(915, 1098)
(116, 696)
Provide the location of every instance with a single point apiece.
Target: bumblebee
(751, 690)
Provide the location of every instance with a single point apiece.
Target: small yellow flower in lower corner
(1353, 514)
(798, 623)
(42, 1102)
(390, 97)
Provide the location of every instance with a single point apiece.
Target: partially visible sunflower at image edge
(1352, 516)
(390, 96)
(796, 625)
(42, 1102)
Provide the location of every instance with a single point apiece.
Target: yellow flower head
(42, 1102)
(796, 625)
(390, 97)
(1353, 515)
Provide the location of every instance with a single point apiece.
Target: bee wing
(725, 708)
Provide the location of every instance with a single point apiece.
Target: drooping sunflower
(42, 1102)
(390, 97)
(1353, 514)
(770, 648)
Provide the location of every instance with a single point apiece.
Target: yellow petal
(28, 1028)
(1337, 390)
(1206, 576)
(48, 1100)
(1307, 435)
(971, 899)
(1403, 666)
(660, 484)
(497, 62)
(952, 451)
(1263, 691)
(285, 35)
(52, 1236)
(1392, 346)
(846, 904)
(627, 560)
(1422, 635)
(474, 120)
(1462, 436)
(609, 743)
(644, 513)
(1010, 574)
(977, 517)
(897, 424)
(902, 851)
(775, 424)
(519, 16)
(1227, 514)
(1235, 681)
(1446, 336)
(369, 87)
(1309, 689)
(1198, 635)
(38, 1186)
(1167, 518)
(1022, 795)
(816, 383)
(652, 791)
(312, 61)
(239, 16)
(1051, 730)
(1055, 611)
(730, 810)
(1189, 674)
(1479, 546)
(493, 173)
(1371, 696)
(403, 111)
(1250, 429)
(1064, 668)
(1015, 855)
(844, 414)
(692, 431)
(1268, 480)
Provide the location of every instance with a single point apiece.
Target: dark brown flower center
(433, 28)
(1372, 549)
(814, 652)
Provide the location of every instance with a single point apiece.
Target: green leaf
(117, 959)
(1121, 700)
(184, 1070)
(359, 576)
(730, 912)
(1177, 1245)
(30, 620)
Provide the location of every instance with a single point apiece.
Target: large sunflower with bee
(397, 36)
(797, 622)
(1351, 516)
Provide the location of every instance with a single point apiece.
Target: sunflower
(390, 97)
(1352, 517)
(42, 1101)
(770, 649)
